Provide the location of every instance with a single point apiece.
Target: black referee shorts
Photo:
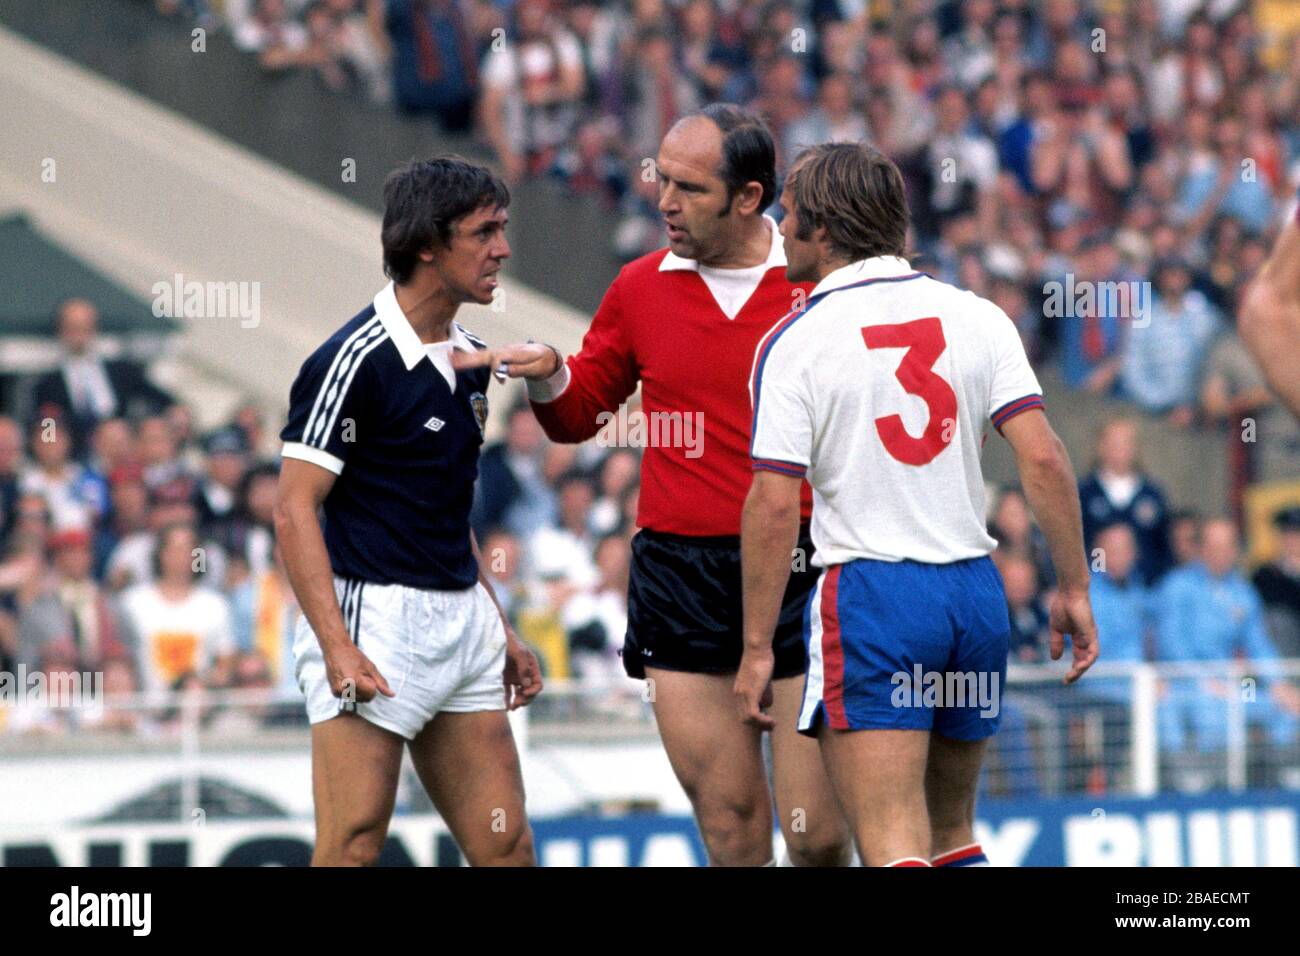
(685, 610)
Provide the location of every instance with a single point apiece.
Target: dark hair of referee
(423, 200)
(856, 193)
(748, 152)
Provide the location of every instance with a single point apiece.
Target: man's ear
(748, 199)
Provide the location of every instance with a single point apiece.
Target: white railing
(1111, 732)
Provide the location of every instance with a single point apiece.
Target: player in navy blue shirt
(401, 641)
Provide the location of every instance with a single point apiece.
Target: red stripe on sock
(952, 856)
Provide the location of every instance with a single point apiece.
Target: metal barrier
(1126, 728)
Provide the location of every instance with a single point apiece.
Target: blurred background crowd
(1150, 149)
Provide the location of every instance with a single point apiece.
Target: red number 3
(924, 341)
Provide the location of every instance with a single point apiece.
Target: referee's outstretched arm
(302, 490)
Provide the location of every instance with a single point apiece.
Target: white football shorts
(438, 650)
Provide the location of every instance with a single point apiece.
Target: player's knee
(361, 846)
(511, 847)
(824, 846)
(736, 829)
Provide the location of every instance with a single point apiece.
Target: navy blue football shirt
(371, 406)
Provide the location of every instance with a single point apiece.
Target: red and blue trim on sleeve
(1011, 409)
(790, 468)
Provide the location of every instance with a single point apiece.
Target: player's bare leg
(354, 770)
(719, 762)
(951, 776)
(813, 826)
(470, 768)
(879, 779)
(1270, 317)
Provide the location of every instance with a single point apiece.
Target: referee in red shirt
(685, 322)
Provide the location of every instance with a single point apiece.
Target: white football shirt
(880, 391)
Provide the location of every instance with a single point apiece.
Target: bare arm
(302, 489)
(1053, 493)
(1270, 317)
(769, 532)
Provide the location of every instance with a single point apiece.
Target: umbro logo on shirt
(434, 424)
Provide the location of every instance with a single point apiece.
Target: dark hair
(856, 193)
(748, 152)
(422, 202)
(160, 544)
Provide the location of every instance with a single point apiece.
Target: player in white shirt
(880, 391)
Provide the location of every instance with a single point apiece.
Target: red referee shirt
(660, 323)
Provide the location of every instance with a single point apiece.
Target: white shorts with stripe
(438, 650)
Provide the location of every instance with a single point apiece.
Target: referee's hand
(753, 688)
(526, 360)
(353, 676)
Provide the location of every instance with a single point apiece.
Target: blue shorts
(901, 645)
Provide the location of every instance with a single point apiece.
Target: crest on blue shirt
(478, 401)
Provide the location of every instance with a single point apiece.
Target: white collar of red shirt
(398, 327)
(775, 254)
(877, 267)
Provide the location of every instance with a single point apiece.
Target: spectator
(532, 87)
(134, 562)
(263, 615)
(1118, 491)
(1122, 605)
(1164, 356)
(128, 515)
(962, 165)
(247, 538)
(112, 447)
(1093, 329)
(1235, 396)
(1012, 526)
(76, 498)
(86, 389)
(562, 555)
(1278, 584)
(268, 31)
(1028, 616)
(502, 555)
(658, 93)
(435, 63)
(1208, 611)
(72, 609)
(511, 492)
(618, 472)
(227, 458)
(595, 619)
(11, 467)
(180, 630)
(833, 120)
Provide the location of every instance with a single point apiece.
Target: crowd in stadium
(1154, 145)
(1149, 149)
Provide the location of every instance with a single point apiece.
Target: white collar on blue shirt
(775, 254)
(395, 323)
(877, 267)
